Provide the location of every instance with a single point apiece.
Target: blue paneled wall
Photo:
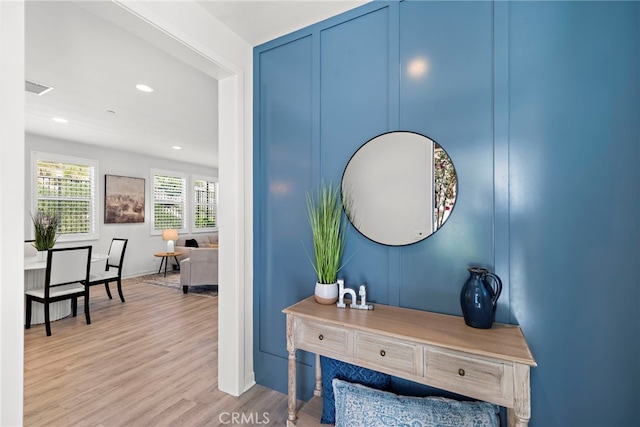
(574, 162)
(538, 105)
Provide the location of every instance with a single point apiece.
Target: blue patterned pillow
(331, 369)
(358, 406)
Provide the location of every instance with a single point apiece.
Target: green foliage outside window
(168, 216)
(205, 217)
(169, 202)
(206, 203)
(66, 191)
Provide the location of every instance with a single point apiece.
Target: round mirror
(399, 188)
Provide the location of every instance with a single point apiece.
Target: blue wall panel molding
(285, 132)
(450, 101)
(537, 103)
(354, 99)
(501, 153)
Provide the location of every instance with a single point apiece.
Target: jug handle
(498, 288)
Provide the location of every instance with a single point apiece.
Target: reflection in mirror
(399, 188)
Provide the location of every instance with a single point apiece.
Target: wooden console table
(429, 348)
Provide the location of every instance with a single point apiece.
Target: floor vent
(37, 88)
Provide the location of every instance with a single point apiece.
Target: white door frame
(11, 212)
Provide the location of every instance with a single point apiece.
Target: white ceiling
(260, 21)
(94, 65)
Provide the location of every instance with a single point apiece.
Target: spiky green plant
(324, 208)
(46, 230)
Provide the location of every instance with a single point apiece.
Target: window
(66, 186)
(205, 204)
(169, 201)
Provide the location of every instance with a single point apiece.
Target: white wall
(142, 245)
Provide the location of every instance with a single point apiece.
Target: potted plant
(46, 230)
(327, 223)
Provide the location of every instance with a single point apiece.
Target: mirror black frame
(415, 220)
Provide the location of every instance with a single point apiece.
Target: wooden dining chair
(66, 277)
(115, 261)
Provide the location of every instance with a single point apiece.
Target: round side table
(165, 259)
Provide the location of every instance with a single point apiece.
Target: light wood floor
(151, 361)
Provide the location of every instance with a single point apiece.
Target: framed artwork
(123, 199)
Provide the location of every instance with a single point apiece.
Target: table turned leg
(520, 414)
(318, 390)
(292, 399)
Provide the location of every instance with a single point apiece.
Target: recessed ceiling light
(176, 147)
(144, 88)
(60, 120)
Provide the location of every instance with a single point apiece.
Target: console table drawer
(473, 377)
(395, 355)
(321, 338)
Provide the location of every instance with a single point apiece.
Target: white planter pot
(326, 293)
(42, 255)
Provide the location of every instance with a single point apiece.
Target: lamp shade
(170, 235)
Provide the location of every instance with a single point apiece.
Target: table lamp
(170, 235)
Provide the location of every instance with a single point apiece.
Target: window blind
(205, 203)
(169, 198)
(67, 189)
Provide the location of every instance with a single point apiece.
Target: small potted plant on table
(46, 231)
(327, 223)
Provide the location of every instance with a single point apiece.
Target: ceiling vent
(37, 88)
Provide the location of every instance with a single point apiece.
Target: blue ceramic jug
(478, 298)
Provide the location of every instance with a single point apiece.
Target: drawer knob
(461, 372)
(320, 337)
(383, 353)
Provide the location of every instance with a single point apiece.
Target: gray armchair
(201, 268)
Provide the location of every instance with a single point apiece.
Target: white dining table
(34, 275)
